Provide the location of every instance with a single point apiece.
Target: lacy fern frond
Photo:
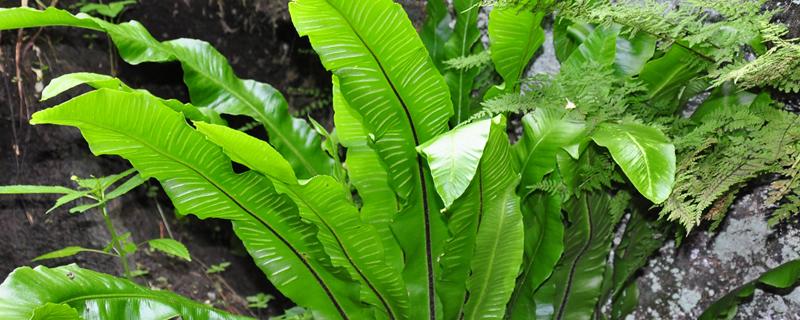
(478, 60)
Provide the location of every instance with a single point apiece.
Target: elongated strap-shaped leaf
(368, 174)
(462, 43)
(210, 79)
(645, 155)
(199, 179)
(515, 33)
(388, 78)
(99, 81)
(72, 293)
(497, 258)
(784, 276)
(453, 158)
(544, 244)
(351, 243)
(667, 78)
(633, 53)
(33, 189)
(578, 278)
(495, 173)
(546, 131)
(436, 31)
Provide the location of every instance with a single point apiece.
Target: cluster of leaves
(434, 214)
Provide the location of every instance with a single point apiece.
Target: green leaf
(69, 197)
(578, 278)
(598, 50)
(496, 173)
(436, 31)
(62, 253)
(667, 77)
(545, 132)
(170, 247)
(126, 187)
(31, 189)
(515, 33)
(567, 36)
(453, 158)
(349, 242)
(633, 53)
(388, 78)
(208, 76)
(46, 293)
(784, 276)
(645, 155)
(199, 179)
(463, 42)
(544, 244)
(497, 258)
(368, 173)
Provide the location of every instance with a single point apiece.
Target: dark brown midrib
(571, 275)
(421, 172)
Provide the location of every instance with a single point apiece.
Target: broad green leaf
(784, 276)
(497, 258)
(496, 173)
(170, 247)
(388, 78)
(453, 158)
(32, 189)
(545, 132)
(632, 53)
(567, 36)
(544, 244)
(645, 155)
(463, 42)
(667, 77)
(199, 179)
(597, 50)
(47, 293)
(351, 243)
(62, 253)
(436, 30)
(578, 278)
(208, 76)
(515, 33)
(368, 174)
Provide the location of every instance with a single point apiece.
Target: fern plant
(430, 217)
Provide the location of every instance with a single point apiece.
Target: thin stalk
(115, 243)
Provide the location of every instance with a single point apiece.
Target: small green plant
(99, 192)
(218, 268)
(259, 301)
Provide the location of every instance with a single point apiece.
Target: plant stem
(115, 242)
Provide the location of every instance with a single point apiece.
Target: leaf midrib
(423, 185)
(578, 257)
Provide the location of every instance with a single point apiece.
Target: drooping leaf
(784, 276)
(388, 78)
(515, 33)
(645, 155)
(568, 35)
(453, 158)
(49, 293)
(170, 247)
(208, 76)
(667, 77)
(199, 179)
(349, 242)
